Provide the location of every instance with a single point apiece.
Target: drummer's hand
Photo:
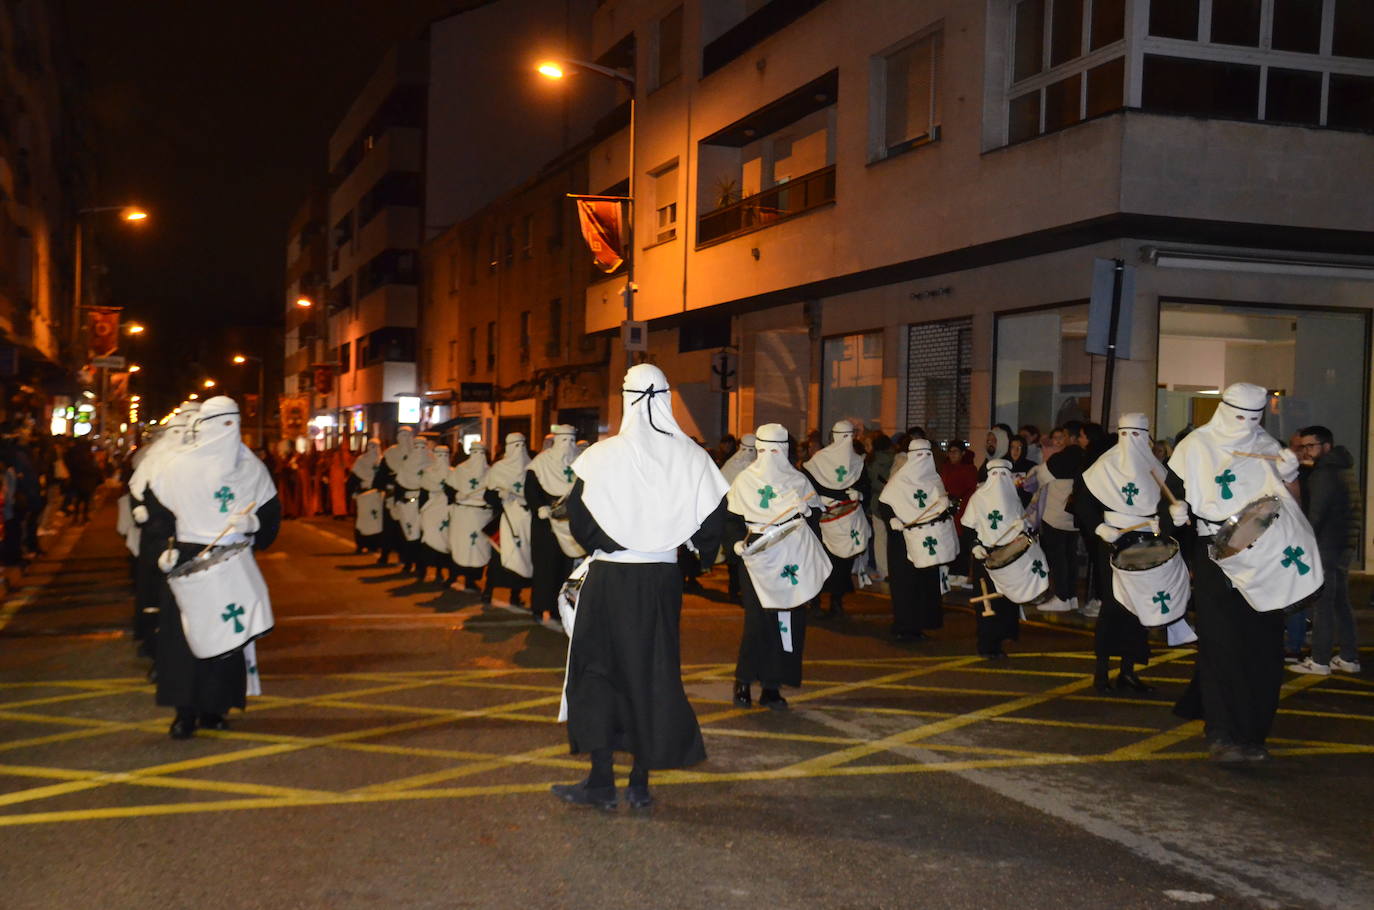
(1108, 533)
(544, 512)
(980, 551)
(1178, 513)
(1288, 465)
(739, 548)
(896, 524)
(141, 514)
(855, 494)
(244, 523)
(167, 559)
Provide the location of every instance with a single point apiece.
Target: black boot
(1102, 679)
(772, 700)
(837, 606)
(742, 697)
(1127, 680)
(184, 727)
(598, 790)
(213, 722)
(637, 795)
(515, 599)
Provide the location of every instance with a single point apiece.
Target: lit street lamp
(134, 368)
(556, 68)
(135, 328)
(304, 303)
(209, 384)
(242, 359)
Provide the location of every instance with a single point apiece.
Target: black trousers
(1061, 551)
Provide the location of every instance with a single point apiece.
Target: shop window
(1042, 372)
(909, 84)
(852, 378)
(939, 371)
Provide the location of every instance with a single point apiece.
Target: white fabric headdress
(467, 478)
(994, 510)
(1126, 477)
(507, 476)
(742, 458)
(168, 444)
(916, 492)
(770, 486)
(553, 465)
(650, 486)
(1218, 483)
(365, 465)
(404, 459)
(435, 470)
(837, 466)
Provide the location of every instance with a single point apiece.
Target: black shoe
(1132, 682)
(1103, 684)
(213, 722)
(909, 636)
(692, 586)
(1225, 752)
(837, 606)
(382, 560)
(579, 794)
(639, 797)
(772, 700)
(1254, 753)
(184, 727)
(486, 597)
(742, 697)
(516, 600)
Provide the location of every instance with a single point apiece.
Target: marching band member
(837, 473)
(768, 493)
(548, 479)
(510, 566)
(915, 494)
(362, 475)
(433, 549)
(215, 483)
(995, 515)
(469, 515)
(638, 497)
(1119, 490)
(398, 476)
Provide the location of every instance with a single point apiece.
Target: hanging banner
(118, 387)
(295, 412)
(102, 330)
(324, 378)
(603, 227)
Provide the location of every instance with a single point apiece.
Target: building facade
(309, 367)
(891, 210)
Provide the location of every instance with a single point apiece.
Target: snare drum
(932, 543)
(562, 529)
(1269, 553)
(369, 520)
(786, 563)
(845, 529)
(222, 598)
(408, 514)
(1150, 579)
(1019, 571)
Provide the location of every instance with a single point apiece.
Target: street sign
(1104, 299)
(476, 391)
(724, 370)
(110, 362)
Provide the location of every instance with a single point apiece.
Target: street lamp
(209, 384)
(134, 368)
(556, 68)
(241, 359)
(304, 303)
(135, 328)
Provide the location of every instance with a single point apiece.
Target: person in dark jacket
(1330, 510)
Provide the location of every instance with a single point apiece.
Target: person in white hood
(510, 566)
(995, 514)
(398, 476)
(362, 476)
(914, 494)
(548, 480)
(742, 458)
(838, 475)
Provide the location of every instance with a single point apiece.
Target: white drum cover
(932, 543)
(469, 546)
(408, 514)
(1025, 578)
(1282, 566)
(562, 529)
(435, 522)
(847, 535)
(1157, 596)
(515, 539)
(788, 566)
(223, 605)
(369, 520)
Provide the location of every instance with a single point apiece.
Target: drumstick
(922, 517)
(1136, 527)
(986, 599)
(1259, 455)
(1168, 493)
(211, 544)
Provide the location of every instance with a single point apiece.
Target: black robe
(148, 578)
(551, 565)
(761, 656)
(997, 620)
(1118, 633)
(185, 681)
(841, 579)
(916, 597)
(624, 683)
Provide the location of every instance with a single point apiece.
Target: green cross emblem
(790, 573)
(765, 495)
(472, 538)
(234, 612)
(443, 525)
(1225, 478)
(840, 472)
(1291, 558)
(568, 474)
(930, 543)
(517, 543)
(1038, 568)
(1162, 598)
(225, 496)
(376, 514)
(252, 669)
(518, 485)
(782, 626)
(994, 517)
(921, 496)
(472, 483)
(855, 536)
(1129, 491)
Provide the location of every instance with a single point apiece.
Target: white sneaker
(1345, 666)
(1092, 608)
(1054, 605)
(959, 581)
(1311, 667)
(1073, 603)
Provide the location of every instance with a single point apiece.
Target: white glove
(739, 548)
(544, 512)
(141, 514)
(1178, 513)
(1108, 533)
(980, 551)
(244, 524)
(896, 524)
(167, 559)
(855, 494)
(1288, 466)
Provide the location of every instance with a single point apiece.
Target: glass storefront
(1043, 374)
(852, 380)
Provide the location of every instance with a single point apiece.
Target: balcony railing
(778, 203)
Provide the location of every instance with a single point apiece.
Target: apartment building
(891, 209)
(309, 387)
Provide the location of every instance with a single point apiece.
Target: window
(556, 220)
(494, 259)
(453, 271)
(1351, 103)
(525, 336)
(1293, 96)
(669, 47)
(527, 237)
(1042, 374)
(1298, 26)
(472, 350)
(399, 188)
(1067, 64)
(341, 295)
(911, 94)
(345, 350)
(852, 377)
(491, 345)
(452, 359)
(510, 245)
(938, 377)
(387, 267)
(555, 342)
(343, 231)
(1353, 31)
(1236, 22)
(393, 344)
(1174, 19)
(1206, 88)
(473, 245)
(665, 203)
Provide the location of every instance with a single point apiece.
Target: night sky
(216, 117)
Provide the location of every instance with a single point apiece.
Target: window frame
(878, 148)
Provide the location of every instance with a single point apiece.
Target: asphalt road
(402, 753)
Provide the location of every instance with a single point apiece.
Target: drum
(932, 543)
(1269, 553)
(562, 529)
(369, 520)
(469, 546)
(222, 598)
(1150, 579)
(408, 514)
(514, 538)
(845, 530)
(786, 563)
(1019, 571)
(435, 522)
(568, 594)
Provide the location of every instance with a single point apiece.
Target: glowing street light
(304, 303)
(209, 384)
(239, 358)
(134, 368)
(193, 397)
(133, 213)
(135, 328)
(550, 70)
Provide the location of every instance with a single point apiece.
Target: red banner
(102, 330)
(324, 379)
(603, 225)
(119, 386)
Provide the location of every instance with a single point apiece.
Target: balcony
(761, 210)
(767, 20)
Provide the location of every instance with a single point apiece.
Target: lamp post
(130, 214)
(242, 359)
(555, 68)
